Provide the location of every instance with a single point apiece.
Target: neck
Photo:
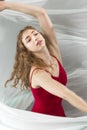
(44, 55)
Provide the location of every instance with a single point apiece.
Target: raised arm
(38, 12)
(42, 17)
(43, 79)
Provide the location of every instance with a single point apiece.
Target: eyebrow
(29, 35)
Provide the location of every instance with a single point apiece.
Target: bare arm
(43, 79)
(42, 17)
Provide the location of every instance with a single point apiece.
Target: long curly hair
(24, 60)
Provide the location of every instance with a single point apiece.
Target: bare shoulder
(38, 74)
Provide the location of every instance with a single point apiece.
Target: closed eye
(36, 34)
(28, 39)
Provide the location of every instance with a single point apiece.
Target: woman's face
(33, 40)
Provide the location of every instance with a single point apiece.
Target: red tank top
(45, 102)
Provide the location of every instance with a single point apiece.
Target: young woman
(38, 64)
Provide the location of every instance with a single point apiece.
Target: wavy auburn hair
(24, 60)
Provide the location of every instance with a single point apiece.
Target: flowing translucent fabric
(69, 18)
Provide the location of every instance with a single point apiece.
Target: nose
(34, 39)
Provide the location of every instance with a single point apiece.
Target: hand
(2, 6)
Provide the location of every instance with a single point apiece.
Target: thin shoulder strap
(33, 73)
(55, 57)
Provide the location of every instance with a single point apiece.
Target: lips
(39, 42)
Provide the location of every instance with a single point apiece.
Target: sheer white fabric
(14, 119)
(70, 22)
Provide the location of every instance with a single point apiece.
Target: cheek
(24, 43)
(30, 47)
